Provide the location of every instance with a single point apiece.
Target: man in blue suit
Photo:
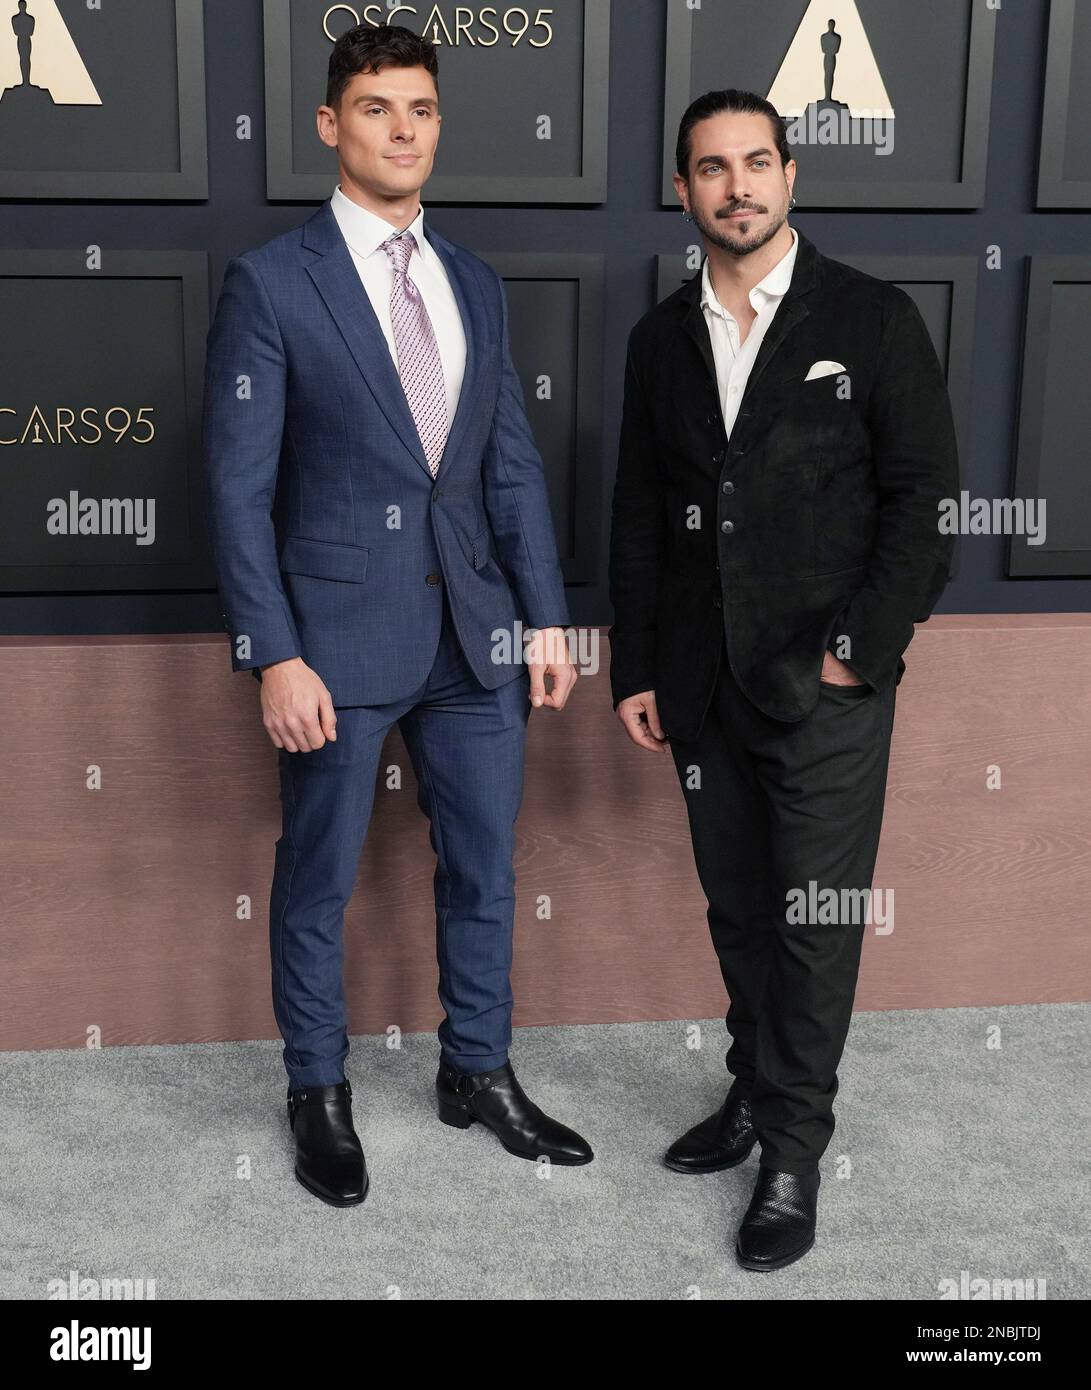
(380, 522)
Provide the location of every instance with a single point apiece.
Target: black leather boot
(779, 1224)
(499, 1102)
(329, 1159)
(720, 1141)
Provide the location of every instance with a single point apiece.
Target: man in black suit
(786, 441)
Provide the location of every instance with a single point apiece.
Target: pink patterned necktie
(419, 363)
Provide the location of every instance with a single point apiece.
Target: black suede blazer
(816, 520)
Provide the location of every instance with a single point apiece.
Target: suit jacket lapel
(472, 309)
(337, 281)
(787, 316)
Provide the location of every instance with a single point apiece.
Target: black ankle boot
(329, 1160)
(720, 1141)
(499, 1102)
(779, 1224)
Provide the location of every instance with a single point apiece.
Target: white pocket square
(823, 369)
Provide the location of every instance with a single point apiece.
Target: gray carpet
(175, 1164)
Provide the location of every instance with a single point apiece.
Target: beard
(744, 244)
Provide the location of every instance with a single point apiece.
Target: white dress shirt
(733, 362)
(365, 232)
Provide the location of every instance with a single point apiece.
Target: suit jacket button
(727, 527)
(431, 578)
(729, 488)
(717, 602)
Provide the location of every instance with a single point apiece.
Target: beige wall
(119, 906)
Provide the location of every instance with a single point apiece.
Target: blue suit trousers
(466, 744)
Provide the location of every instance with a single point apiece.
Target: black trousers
(777, 810)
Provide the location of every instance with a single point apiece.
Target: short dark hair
(367, 48)
(730, 99)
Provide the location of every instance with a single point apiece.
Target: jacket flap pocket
(324, 559)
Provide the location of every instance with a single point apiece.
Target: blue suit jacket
(331, 540)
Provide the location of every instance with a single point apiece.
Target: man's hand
(640, 718)
(835, 672)
(296, 707)
(547, 654)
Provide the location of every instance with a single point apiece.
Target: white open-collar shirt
(364, 232)
(734, 361)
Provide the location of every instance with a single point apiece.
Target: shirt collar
(365, 231)
(774, 286)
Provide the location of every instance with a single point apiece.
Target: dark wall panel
(196, 91)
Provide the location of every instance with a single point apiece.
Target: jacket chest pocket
(808, 418)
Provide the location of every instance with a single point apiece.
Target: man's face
(738, 191)
(385, 130)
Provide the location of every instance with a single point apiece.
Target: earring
(791, 204)
(686, 216)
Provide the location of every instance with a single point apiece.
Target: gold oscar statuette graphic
(39, 63)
